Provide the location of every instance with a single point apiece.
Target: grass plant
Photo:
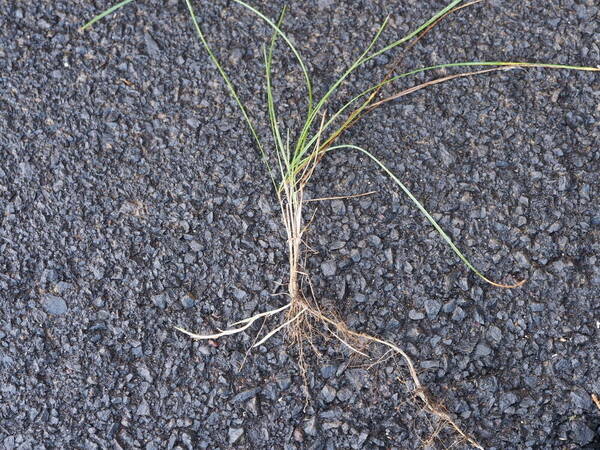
(290, 166)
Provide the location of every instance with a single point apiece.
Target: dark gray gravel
(133, 200)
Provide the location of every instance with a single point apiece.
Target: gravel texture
(133, 200)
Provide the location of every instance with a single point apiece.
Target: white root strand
(249, 321)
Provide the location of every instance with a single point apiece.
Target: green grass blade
(280, 148)
(431, 220)
(272, 113)
(105, 13)
(231, 87)
(415, 32)
(290, 45)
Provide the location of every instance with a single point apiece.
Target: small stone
(447, 157)
(44, 24)
(458, 314)
(310, 426)
(429, 364)
(48, 275)
(432, 307)
(521, 259)
(328, 393)
(336, 245)
(362, 437)
(239, 294)
(494, 334)
(556, 226)
(328, 371)
(581, 399)
(187, 440)
(463, 283)
(187, 301)
(98, 272)
(344, 394)
(323, 4)
(193, 123)
(449, 307)
(338, 208)
(360, 298)
(298, 435)
(151, 45)
(137, 351)
(415, 315)
(9, 442)
(482, 350)
(145, 373)
(507, 400)
(143, 409)
(329, 268)
(204, 350)
(54, 305)
(331, 425)
(195, 246)
(375, 240)
(582, 12)
(236, 55)
(582, 434)
(252, 406)
(284, 382)
(235, 434)
(537, 307)
(357, 378)
(160, 301)
(61, 287)
(245, 395)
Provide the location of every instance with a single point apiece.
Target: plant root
(248, 322)
(301, 320)
(420, 390)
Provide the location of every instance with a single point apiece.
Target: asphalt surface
(134, 200)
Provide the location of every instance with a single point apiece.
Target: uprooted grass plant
(291, 165)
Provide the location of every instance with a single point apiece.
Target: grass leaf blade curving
(429, 217)
(105, 13)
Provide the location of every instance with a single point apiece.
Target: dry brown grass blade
(434, 82)
(341, 197)
(416, 40)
